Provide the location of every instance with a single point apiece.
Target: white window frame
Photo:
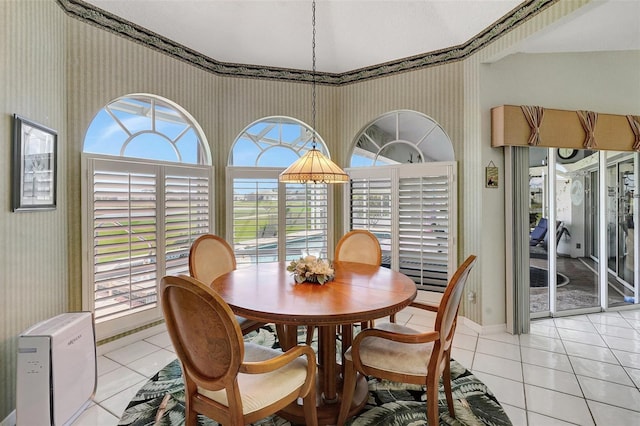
(300, 146)
(271, 173)
(400, 171)
(121, 324)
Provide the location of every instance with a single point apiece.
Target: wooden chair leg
(309, 407)
(190, 389)
(348, 389)
(433, 417)
(347, 340)
(310, 330)
(446, 381)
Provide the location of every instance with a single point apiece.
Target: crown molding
(102, 19)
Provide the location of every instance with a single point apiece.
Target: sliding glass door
(577, 275)
(570, 231)
(621, 207)
(538, 229)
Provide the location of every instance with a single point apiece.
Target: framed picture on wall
(491, 176)
(34, 166)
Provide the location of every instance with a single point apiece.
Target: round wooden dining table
(267, 292)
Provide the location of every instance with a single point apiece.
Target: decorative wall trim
(109, 22)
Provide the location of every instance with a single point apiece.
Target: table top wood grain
(267, 292)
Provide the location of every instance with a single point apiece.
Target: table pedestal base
(328, 411)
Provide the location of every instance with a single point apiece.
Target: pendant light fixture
(313, 167)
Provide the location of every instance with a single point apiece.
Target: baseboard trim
(129, 339)
(484, 329)
(10, 420)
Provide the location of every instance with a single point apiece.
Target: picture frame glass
(34, 165)
(491, 177)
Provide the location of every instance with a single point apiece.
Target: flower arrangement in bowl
(311, 269)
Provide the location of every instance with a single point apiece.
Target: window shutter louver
(186, 215)
(128, 235)
(423, 230)
(371, 209)
(124, 241)
(411, 208)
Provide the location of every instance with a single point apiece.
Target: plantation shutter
(420, 220)
(425, 227)
(124, 207)
(137, 210)
(371, 209)
(186, 213)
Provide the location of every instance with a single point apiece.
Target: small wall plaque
(491, 175)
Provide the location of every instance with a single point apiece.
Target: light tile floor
(579, 370)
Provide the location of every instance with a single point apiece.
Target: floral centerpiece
(311, 269)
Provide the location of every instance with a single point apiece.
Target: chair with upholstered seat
(360, 246)
(226, 379)
(211, 256)
(399, 353)
(539, 233)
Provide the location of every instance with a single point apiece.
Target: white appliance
(56, 370)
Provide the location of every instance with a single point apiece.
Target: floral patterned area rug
(161, 400)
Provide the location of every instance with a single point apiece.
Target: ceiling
(611, 25)
(354, 34)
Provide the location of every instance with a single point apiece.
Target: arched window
(400, 137)
(147, 197)
(268, 220)
(403, 190)
(147, 127)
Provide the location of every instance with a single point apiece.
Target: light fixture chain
(313, 68)
(313, 166)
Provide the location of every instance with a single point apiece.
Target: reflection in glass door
(538, 230)
(577, 275)
(570, 231)
(621, 210)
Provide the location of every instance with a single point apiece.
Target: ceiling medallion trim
(109, 22)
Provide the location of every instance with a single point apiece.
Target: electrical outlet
(578, 245)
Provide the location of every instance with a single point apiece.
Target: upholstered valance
(634, 123)
(524, 126)
(534, 116)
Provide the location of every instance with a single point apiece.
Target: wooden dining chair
(211, 256)
(359, 245)
(226, 379)
(401, 354)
